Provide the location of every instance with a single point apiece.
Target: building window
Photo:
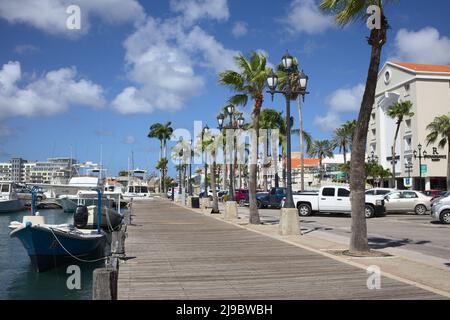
(408, 124)
(374, 131)
(387, 77)
(373, 116)
(408, 144)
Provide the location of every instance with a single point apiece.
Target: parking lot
(415, 233)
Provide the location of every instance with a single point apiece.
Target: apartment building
(428, 88)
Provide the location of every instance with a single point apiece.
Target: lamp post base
(231, 210)
(289, 222)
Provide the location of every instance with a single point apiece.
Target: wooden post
(118, 241)
(104, 284)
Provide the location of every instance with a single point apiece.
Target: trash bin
(195, 202)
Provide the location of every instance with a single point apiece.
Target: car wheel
(369, 211)
(39, 198)
(304, 210)
(420, 209)
(445, 217)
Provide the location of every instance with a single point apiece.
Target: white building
(22, 171)
(428, 88)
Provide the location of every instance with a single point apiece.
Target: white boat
(84, 198)
(9, 202)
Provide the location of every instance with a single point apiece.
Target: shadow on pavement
(382, 243)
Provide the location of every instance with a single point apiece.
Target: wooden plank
(178, 254)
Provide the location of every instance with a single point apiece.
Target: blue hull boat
(50, 246)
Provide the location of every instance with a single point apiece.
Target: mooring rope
(75, 257)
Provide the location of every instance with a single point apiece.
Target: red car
(241, 195)
(432, 193)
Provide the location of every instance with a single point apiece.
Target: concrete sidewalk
(176, 253)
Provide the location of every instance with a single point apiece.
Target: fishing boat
(49, 246)
(83, 198)
(9, 202)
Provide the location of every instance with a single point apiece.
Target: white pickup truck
(335, 199)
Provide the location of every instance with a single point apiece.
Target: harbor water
(18, 278)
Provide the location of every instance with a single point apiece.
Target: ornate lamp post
(272, 82)
(190, 168)
(233, 124)
(372, 158)
(420, 155)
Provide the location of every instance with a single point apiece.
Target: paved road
(405, 231)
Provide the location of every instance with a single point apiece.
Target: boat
(9, 202)
(83, 197)
(49, 246)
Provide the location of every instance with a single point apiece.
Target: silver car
(441, 210)
(407, 201)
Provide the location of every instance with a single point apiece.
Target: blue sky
(134, 63)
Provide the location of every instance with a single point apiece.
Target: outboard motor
(80, 217)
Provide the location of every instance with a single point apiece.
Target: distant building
(23, 171)
(428, 88)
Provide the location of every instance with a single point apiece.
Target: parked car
(432, 193)
(273, 198)
(407, 201)
(442, 194)
(241, 195)
(379, 191)
(440, 211)
(335, 199)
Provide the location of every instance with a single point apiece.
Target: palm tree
(270, 120)
(156, 131)
(321, 149)
(440, 129)
(399, 111)
(346, 11)
(303, 136)
(249, 83)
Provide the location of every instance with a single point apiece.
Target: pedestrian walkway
(175, 253)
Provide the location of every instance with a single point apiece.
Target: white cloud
(50, 15)
(304, 16)
(52, 93)
(162, 57)
(129, 101)
(129, 140)
(239, 29)
(346, 100)
(423, 46)
(193, 10)
(329, 122)
(343, 100)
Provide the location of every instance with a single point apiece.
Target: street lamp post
(373, 159)
(230, 111)
(287, 91)
(421, 154)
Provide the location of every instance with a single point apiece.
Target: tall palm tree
(249, 84)
(156, 132)
(398, 111)
(440, 129)
(343, 137)
(346, 11)
(270, 120)
(321, 149)
(295, 87)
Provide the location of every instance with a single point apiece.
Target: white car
(407, 201)
(440, 211)
(335, 199)
(379, 191)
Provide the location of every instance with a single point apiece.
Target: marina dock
(176, 253)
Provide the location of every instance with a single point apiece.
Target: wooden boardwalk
(175, 253)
